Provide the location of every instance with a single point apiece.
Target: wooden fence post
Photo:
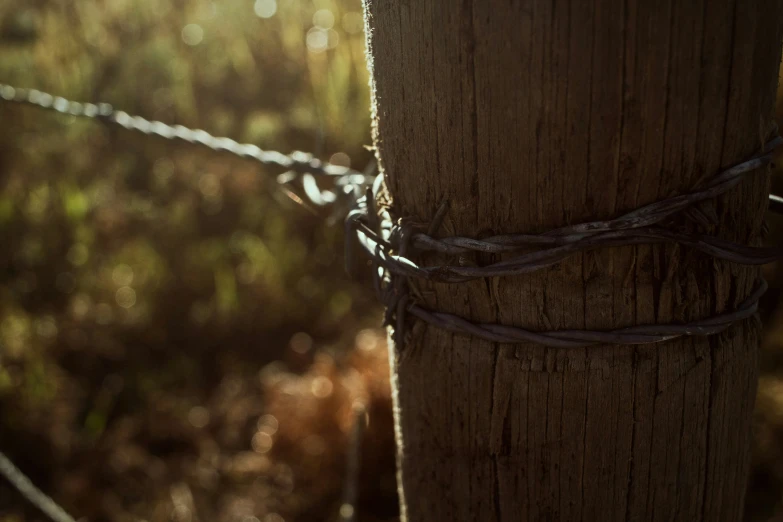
(532, 114)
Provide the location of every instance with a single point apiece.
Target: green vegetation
(178, 341)
(149, 286)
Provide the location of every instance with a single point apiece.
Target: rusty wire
(392, 245)
(319, 183)
(649, 224)
(632, 335)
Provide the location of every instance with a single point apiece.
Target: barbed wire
(640, 226)
(391, 246)
(28, 490)
(632, 335)
(321, 183)
(649, 224)
(300, 167)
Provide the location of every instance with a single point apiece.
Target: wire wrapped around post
(391, 246)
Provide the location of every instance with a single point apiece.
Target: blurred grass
(177, 340)
(146, 286)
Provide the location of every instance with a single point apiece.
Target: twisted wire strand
(33, 495)
(533, 261)
(641, 226)
(343, 185)
(633, 335)
(645, 216)
(388, 244)
(392, 290)
(299, 166)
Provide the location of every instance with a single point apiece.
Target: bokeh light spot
(192, 34)
(80, 306)
(209, 11)
(262, 442)
(346, 511)
(265, 8)
(317, 40)
(268, 424)
(324, 19)
(198, 416)
(367, 340)
(122, 275)
(301, 343)
(340, 159)
(321, 387)
(46, 327)
(209, 185)
(126, 297)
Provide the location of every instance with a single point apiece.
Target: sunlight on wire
(32, 493)
(300, 168)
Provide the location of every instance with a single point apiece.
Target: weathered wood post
(534, 114)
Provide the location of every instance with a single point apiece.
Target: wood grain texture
(533, 114)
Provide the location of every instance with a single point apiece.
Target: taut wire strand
(392, 245)
(647, 225)
(34, 495)
(299, 166)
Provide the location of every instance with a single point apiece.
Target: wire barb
(649, 224)
(299, 167)
(390, 246)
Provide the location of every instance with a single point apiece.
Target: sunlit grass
(146, 283)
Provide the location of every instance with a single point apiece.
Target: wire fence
(389, 243)
(34, 495)
(319, 183)
(300, 169)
